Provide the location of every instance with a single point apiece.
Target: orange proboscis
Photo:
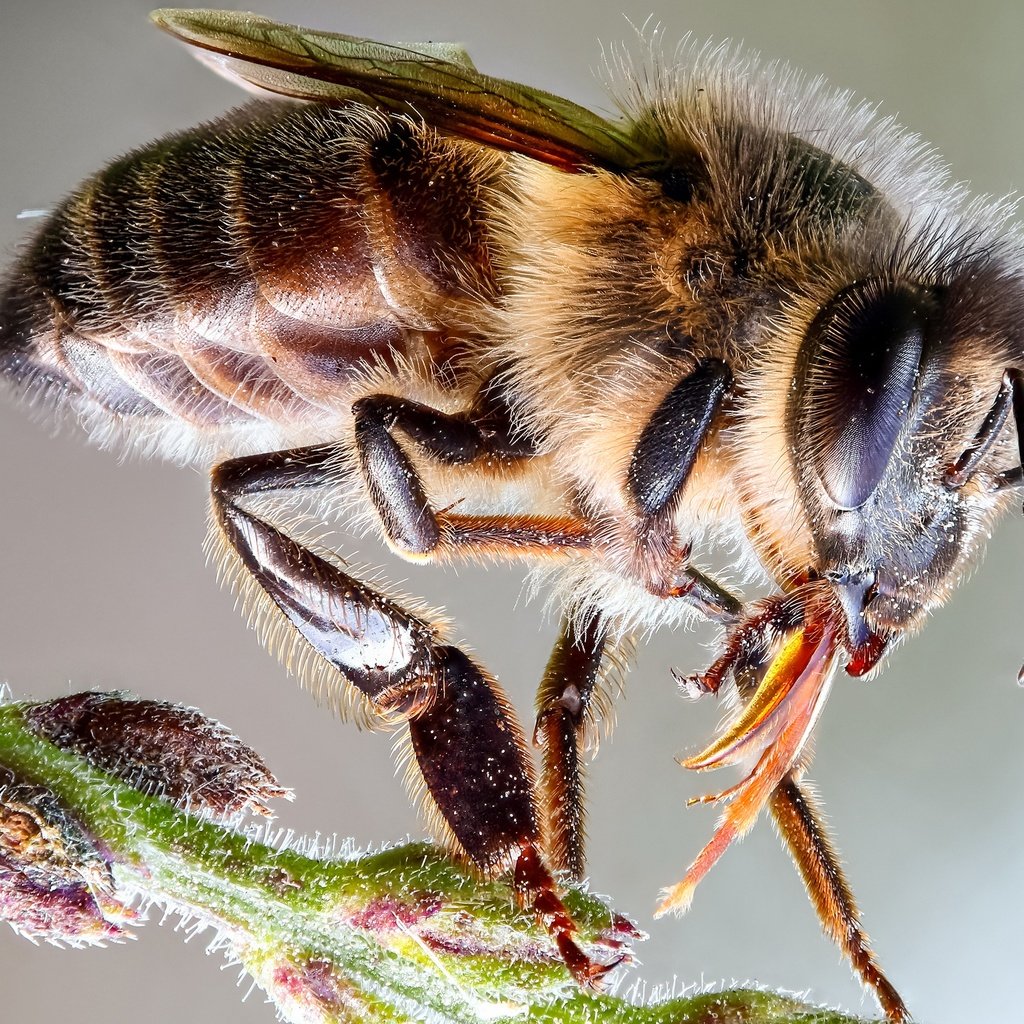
(779, 717)
(759, 713)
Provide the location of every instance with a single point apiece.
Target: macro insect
(496, 326)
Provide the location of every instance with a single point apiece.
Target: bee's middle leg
(563, 711)
(467, 744)
(661, 463)
(410, 523)
(416, 529)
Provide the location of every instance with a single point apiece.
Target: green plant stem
(405, 934)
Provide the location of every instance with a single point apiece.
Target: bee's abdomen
(249, 271)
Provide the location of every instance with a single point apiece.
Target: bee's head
(899, 426)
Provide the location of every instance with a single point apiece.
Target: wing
(436, 82)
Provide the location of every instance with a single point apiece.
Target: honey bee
(493, 325)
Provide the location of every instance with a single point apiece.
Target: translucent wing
(437, 82)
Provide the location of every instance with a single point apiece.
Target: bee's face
(889, 396)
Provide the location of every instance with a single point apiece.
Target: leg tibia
(394, 487)
(375, 645)
(563, 700)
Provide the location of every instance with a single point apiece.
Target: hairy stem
(405, 934)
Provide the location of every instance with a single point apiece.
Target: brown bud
(161, 749)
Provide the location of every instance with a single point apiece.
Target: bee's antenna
(1009, 397)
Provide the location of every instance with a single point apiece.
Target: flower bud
(54, 882)
(161, 749)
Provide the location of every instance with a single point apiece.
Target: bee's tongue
(773, 726)
(761, 719)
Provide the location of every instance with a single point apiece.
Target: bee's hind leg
(466, 743)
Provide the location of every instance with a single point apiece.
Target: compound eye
(860, 364)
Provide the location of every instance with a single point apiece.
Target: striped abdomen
(246, 272)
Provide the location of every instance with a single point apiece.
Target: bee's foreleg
(563, 701)
(1009, 398)
(469, 755)
(696, 588)
(659, 469)
(669, 444)
(801, 826)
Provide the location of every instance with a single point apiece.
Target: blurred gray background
(104, 582)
